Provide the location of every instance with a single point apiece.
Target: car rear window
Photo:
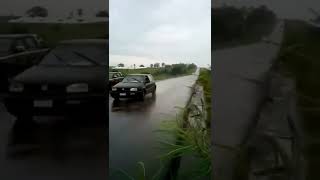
(77, 55)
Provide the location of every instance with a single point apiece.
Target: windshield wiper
(86, 58)
(135, 79)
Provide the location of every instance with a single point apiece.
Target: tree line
(39, 11)
(230, 23)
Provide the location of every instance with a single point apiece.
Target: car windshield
(133, 78)
(5, 44)
(77, 55)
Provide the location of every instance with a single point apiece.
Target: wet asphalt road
(132, 125)
(53, 149)
(239, 76)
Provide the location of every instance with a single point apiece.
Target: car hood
(63, 75)
(128, 85)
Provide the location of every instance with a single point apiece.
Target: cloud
(169, 29)
(168, 34)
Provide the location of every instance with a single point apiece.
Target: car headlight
(16, 87)
(114, 89)
(133, 89)
(77, 88)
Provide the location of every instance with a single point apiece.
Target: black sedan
(134, 86)
(70, 79)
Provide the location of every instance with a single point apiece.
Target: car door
(152, 83)
(148, 84)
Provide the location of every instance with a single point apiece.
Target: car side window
(30, 42)
(147, 78)
(150, 78)
(17, 42)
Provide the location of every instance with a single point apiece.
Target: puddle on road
(132, 105)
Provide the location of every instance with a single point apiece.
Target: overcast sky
(170, 31)
(55, 7)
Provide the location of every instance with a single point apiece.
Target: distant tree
(102, 13)
(229, 23)
(80, 12)
(121, 65)
(71, 15)
(156, 65)
(151, 65)
(163, 64)
(192, 66)
(141, 65)
(134, 66)
(37, 11)
(260, 15)
(178, 69)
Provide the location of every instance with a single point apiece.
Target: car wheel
(22, 130)
(141, 98)
(154, 93)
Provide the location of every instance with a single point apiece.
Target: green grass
(192, 148)
(300, 59)
(54, 32)
(206, 82)
(157, 73)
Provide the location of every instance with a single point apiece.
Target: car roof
(85, 41)
(17, 35)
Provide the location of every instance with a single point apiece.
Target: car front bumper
(127, 94)
(55, 105)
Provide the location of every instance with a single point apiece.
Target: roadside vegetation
(165, 72)
(299, 59)
(52, 33)
(190, 155)
(239, 26)
(206, 82)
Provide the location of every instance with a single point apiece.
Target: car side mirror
(20, 48)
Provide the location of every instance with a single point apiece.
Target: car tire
(22, 130)
(141, 98)
(154, 93)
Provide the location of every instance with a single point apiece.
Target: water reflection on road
(53, 148)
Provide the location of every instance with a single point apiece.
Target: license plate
(42, 103)
(73, 102)
(123, 94)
